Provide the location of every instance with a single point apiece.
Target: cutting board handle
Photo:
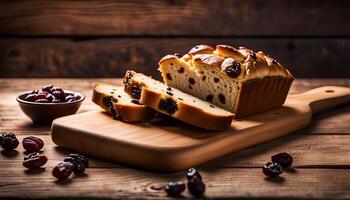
(324, 98)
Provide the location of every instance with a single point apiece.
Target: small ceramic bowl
(45, 113)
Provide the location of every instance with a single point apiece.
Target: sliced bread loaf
(239, 80)
(119, 104)
(176, 103)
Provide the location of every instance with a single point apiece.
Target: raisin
(8, 141)
(196, 186)
(168, 76)
(56, 89)
(84, 159)
(212, 106)
(192, 172)
(168, 105)
(234, 70)
(32, 144)
(284, 159)
(108, 102)
(30, 97)
(34, 160)
(78, 165)
(253, 55)
(181, 70)
(174, 188)
(135, 101)
(169, 93)
(59, 95)
(203, 78)
(62, 170)
(216, 80)
(272, 169)
(168, 88)
(222, 98)
(210, 97)
(191, 81)
(47, 88)
(50, 97)
(69, 97)
(136, 92)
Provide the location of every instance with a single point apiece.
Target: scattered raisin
(203, 78)
(216, 80)
(32, 144)
(168, 105)
(222, 98)
(78, 165)
(84, 159)
(181, 70)
(192, 172)
(196, 186)
(34, 160)
(210, 97)
(174, 188)
(62, 170)
(272, 169)
(168, 76)
(8, 141)
(284, 159)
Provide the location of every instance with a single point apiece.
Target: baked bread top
(241, 64)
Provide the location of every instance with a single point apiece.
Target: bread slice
(119, 104)
(175, 103)
(238, 80)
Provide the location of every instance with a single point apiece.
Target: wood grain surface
(176, 17)
(111, 57)
(320, 153)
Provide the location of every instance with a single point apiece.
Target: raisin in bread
(175, 103)
(119, 104)
(239, 80)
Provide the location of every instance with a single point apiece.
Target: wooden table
(321, 153)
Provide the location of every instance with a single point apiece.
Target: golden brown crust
(186, 112)
(258, 95)
(127, 112)
(201, 49)
(253, 64)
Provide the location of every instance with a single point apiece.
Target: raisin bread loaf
(239, 80)
(119, 104)
(175, 103)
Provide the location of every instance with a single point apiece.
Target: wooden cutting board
(178, 147)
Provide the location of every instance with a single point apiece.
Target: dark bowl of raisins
(45, 105)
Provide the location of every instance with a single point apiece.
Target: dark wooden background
(105, 38)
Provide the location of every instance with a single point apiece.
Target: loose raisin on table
(174, 188)
(84, 159)
(32, 144)
(34, 160)
(192, 172)
(272, 169)
(8, 141)
(62, 170)
(78, 165)
(196, 186)
(284, 159)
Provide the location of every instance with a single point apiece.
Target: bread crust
(126, 112)
(253, 64)
(187, 113)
